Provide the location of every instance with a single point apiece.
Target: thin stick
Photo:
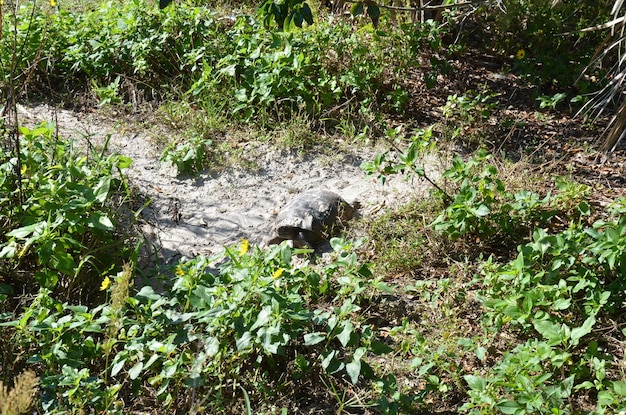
(416, 9)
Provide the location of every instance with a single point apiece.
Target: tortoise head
(288, 232)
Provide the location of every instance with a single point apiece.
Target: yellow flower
(244, 246)
(179, 271)
(278, 273)
(520, 54)
(105, 283)
(53, 3)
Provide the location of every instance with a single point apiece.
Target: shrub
(59, 222)
(248, 322)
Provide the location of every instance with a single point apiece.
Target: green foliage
(371, 8)
(118, 49)
(310, 69)
(286, 13)
(546, 101)
(522, 382)
(256, 313)
(59, 218)
(108, 95)
(481, 207)
(409, 161)
(189, 156)
(564, 284)
(554, 49)
(470, 106)
(132, 41)
(525, 335)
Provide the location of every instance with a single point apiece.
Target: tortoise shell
(312, 217)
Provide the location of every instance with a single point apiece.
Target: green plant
(256, 315)
(108, 95)
(189, 156)
(520, 383)
(470, 106)
(409, 161)
(546, 101)
(63, 224)
(549, 33)
(286, 13)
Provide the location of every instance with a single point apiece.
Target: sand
(200, 214)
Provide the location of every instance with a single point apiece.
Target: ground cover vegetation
(500, 291)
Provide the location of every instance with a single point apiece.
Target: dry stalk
(18, 400)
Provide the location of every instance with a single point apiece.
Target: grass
(400, 237)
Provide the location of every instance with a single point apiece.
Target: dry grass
(19, 399)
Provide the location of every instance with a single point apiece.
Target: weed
(400, 237)
(108, 95)
(64, 226)
(470, 106)
(551, 101)
(19, 399)
(252, 315)
(189, 156)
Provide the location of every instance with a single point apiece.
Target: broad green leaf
(262, 318)
(212, 346)
(148, 293)
(117, 366)
(330, 363)
(346, 334)
(482, 210)
(101, 191)
(330, 355)
(510, 407)
(384, 287)
(169, 369)
(298, 19)
(25, 231)
(63, 262)
(475, 382)
(311, 339)
(306, 13)
(619, 387)
(373, 11)
(605, 398)
(357, 8)
(549, 330)
(583, 330)
(377, 347)
(150, 361)
(96, 220)
(354, 370)
(124, 162)
(562, 303)
(481, 353)
(8, 250)
(244, 341)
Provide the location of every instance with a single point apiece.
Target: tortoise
(311, 218)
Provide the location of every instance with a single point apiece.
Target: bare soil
(190, 215)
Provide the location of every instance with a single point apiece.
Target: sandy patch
(201, 214)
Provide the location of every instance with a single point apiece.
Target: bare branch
(417, 9)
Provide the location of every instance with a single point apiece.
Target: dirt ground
(191, 215)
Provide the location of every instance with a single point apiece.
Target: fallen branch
(417, 9)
